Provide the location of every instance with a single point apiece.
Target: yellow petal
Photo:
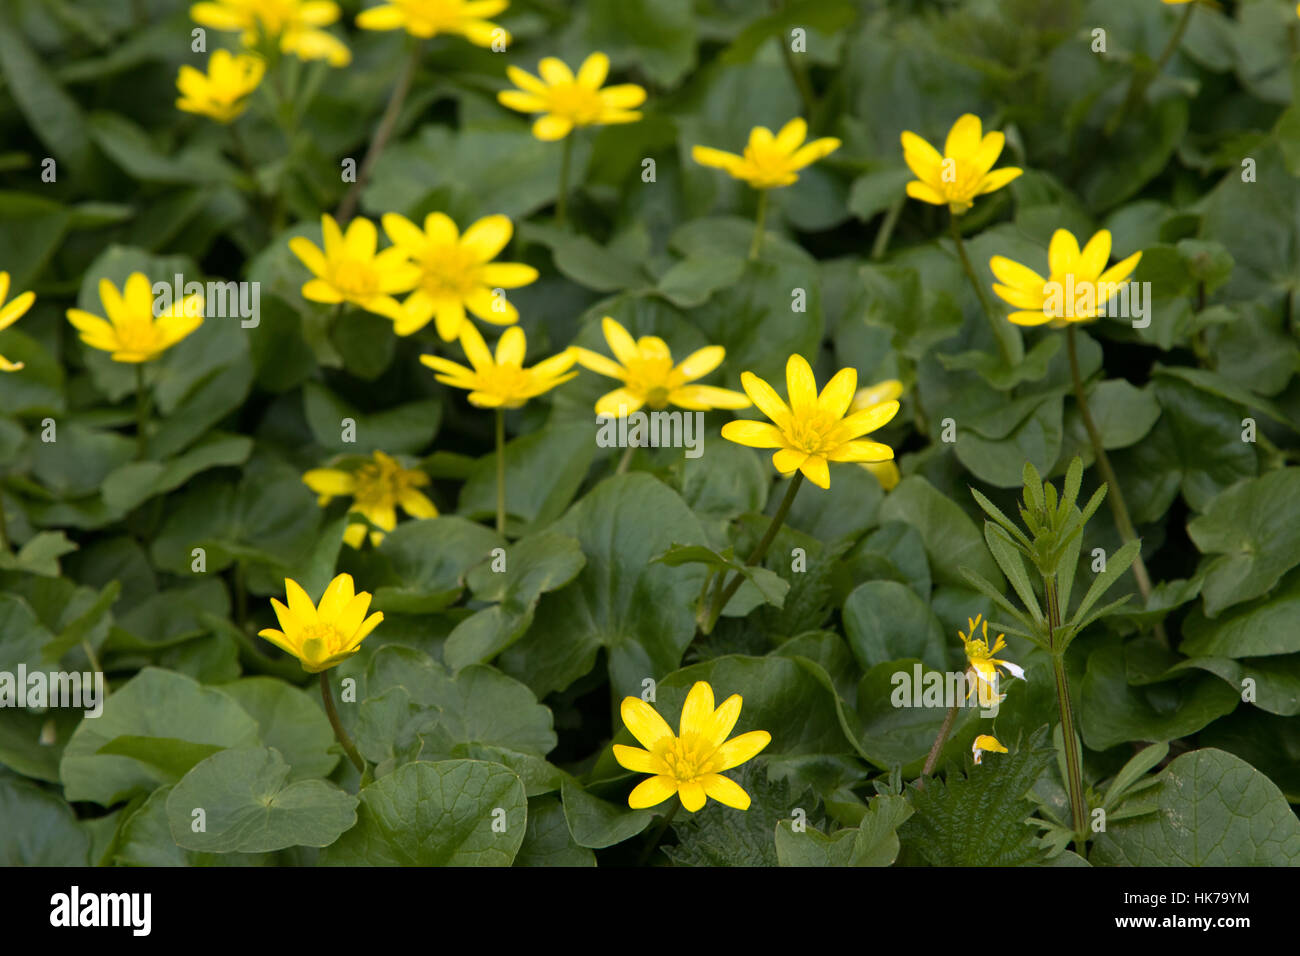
(651, 792)
(644, 722)
(697, 712)
(635, 759)
(726, 791)
(800, 385)
(737, 750)
(753, 434)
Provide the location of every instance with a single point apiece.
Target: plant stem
(383, 132)
(933, 757)
(657, 835)
(994, 323)
(887, 228)
(561, 197)
(501, 473)
(1073, 767)
(722, 595)
(4, 527)
(141, 414)
(1142, 78)
(760, 217)
(1116, 497)
(625, 460)
(340, 734)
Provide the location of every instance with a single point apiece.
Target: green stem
(722, 595)
(1142, 77)
(999, 334)
(387, 123)
(1118, 506)
(1073, 766)
(501, 473)
(933, 757)
(760, 217)
(657, 835)
(141, 414)
(562, 197)
(625, 460)
(887, 228)
(342, 735)
(4, 526)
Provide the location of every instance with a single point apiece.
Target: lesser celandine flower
(983, 665)
(377, 489)
(690, 763)
(322, 636)
(813, 429)
(890, 390)
(1078, 288)
(132, 333)
(986, 743)
(349, 269)
(11, 313)
(501, 382)
(645, 367)
(568, 101)
(222, 92)
(770, 161)
(428, 18)
(456, 272)
(294, 26)
(963, 172)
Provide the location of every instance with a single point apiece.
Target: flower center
(813, 433)
(687, 757)
(506, 381)
(275, 15)
(319, 641)
(137, 335)
(354, 278)
(579, 103)
(652, 379)
(450, 272)
(375, 485)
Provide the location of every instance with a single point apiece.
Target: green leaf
(544, 470)
(659, 37)
(979, 818)
(1118, 564)
(597, 823)
(448, 813)
(548, 841)
(249, 806)
(1213, 809)
(290, 720)
(1253, 528)
(145, 839)
(430, 559)
(886, 621)
(1145, 759)
(640, 612)
(1263, 627)
(719, 835)
(1114, 712)
(154, 703)
(39, 828)
(951, 538)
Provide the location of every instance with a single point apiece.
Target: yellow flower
(1078, 289)
(293, 25)
(691, 763)
(132, 333)
(886, 472)
(348, 270)
(503, 382)
(770, 161)
(377, 488)
(457, 272)
(813, 429)
(650, 378)
(963, 172)
(11, 313)
(221, 92)
(985, 743)
(568, 101)
(983, 665)
(427, 18)
(321, 637)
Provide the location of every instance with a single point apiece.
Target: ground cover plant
(688, 432)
